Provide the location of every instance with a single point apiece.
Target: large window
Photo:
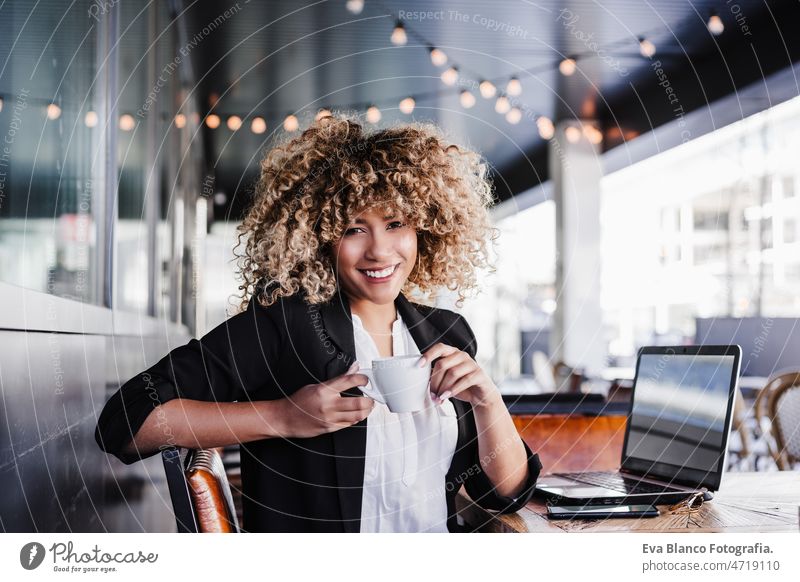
(48, 129)
(715, 224)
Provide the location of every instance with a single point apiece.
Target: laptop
(676, 435)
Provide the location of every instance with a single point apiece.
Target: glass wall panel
(48, 124)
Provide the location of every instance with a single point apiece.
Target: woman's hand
(317, 409)
(456, 374)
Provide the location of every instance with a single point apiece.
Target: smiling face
(375, 257)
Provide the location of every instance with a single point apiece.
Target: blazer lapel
(422, 330)
(349, 444)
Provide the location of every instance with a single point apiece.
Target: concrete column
(575, 170)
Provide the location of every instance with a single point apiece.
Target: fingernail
(445, 395)
(421, 363)
(353, 366)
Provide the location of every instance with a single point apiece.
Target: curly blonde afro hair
(313, 185)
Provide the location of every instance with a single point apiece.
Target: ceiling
(272, 58)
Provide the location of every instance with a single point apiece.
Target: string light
(234, 122)
(258, 125)
(399, 36)
(514, 116)
(467, 99)
(438, 58)
(355, 6)
(127, 122)
(647, 48)
(407, 105)
(567, 66)
(487, 89)
(290, 124)
(573, 134)
(593, 134)
(53, 111)
(715, 25)
(212, 121)
(90, 119)
(546, 128)
(514, 87)
(450, 76)
(373, 114)
(180, 121)
(502, 104)
(324, 112)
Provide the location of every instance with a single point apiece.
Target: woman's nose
(380, 246)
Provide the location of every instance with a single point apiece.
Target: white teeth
(380, 274)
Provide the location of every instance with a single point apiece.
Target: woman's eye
(350, 231)
(396, 224)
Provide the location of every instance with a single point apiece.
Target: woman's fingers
(466, 381)
(346, 381)
(436, 351)
(355, 403)
(448, 368)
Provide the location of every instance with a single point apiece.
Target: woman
(344, 225)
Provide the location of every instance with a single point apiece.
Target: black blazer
(299, 484)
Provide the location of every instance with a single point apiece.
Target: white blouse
(408, 454)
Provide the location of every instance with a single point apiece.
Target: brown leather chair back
(210, 492)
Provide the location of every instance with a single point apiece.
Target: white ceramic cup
(398, 382)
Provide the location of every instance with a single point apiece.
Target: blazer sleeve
(234, 361)
(476, 482)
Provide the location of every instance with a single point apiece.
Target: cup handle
(371, 392)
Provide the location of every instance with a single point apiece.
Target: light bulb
(514, 116)
(373, 114)
(450, 76)
(546, 128)
(488, 90)
(438, 58)
(573, 134)
(502, 105)
(180, 120)
(399, 36)
(407, 105)
(126, 122)
(258, 125)
(90, 119)
(715, 25)
(647, 48)
(355, 6)
(514, 87)
(212, 121)
(567, 67)
(467, 99)
(324, 112)
(234, 122)
(53, 111)
(593, 134)
(291, 124)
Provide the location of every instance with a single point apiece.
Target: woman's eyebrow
(362, 221)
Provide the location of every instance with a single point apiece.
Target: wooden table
(746, 502)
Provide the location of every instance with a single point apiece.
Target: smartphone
(600, 511)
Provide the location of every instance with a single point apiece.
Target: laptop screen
(679, 409)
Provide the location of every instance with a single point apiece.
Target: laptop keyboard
(615, 482)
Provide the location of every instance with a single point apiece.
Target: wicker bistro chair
(200, 492)
(777, 409)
